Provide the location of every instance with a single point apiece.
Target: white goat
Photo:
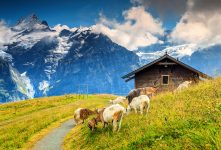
(183, 85)
(141, 103)
(113, 113)
(119, 100)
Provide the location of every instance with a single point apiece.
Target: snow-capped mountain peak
(31, 23)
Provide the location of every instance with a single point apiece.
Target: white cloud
(199, 25)
(177, 51)
(139, 29)
(60, 27)
(5, 33)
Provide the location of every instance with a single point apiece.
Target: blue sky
(69, 12)
(73, 13)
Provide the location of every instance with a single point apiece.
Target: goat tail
(122, 114)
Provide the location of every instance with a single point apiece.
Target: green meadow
(190, 119)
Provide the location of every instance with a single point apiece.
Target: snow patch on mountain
(84, 29)
(29, 40)
(5, 56)
(63, 45)
(22, 82)
(56, 55)
(29, 87)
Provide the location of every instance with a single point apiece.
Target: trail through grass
(21, 121)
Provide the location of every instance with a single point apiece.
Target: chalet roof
(130, 75)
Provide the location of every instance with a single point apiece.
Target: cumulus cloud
(164, 7)
(207, 6)
(139, 28)
(5, 33)
(200, 24)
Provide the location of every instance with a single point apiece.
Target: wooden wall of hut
(152, 76)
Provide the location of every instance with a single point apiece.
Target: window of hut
(165, 79)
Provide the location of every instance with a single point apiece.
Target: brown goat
(81, 114)
(92, 124)
(100, 117)
(94, 121)
(149, 91)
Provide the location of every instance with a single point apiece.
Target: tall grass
(190, 119)
(20, 121)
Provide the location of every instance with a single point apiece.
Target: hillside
(25, 122)
(190, 119)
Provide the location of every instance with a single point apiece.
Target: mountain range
(42, 61)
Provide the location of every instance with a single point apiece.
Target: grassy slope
(190, 119)
(21, 122)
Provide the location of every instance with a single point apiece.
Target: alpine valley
(39, 60)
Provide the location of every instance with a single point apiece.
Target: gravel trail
(54, 140)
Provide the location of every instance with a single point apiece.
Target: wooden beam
(128, 79)
(166, 63)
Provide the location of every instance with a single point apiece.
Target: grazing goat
(141, 103)
(112, 114)
(92, 123)
(100, 112)
(133, 93)
(184, 85)
(149, 91)
(81, 114)
(119, 100)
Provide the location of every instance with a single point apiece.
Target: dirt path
(54, 140)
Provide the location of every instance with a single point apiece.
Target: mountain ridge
(55, 62)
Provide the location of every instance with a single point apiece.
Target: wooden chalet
(166, 73)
